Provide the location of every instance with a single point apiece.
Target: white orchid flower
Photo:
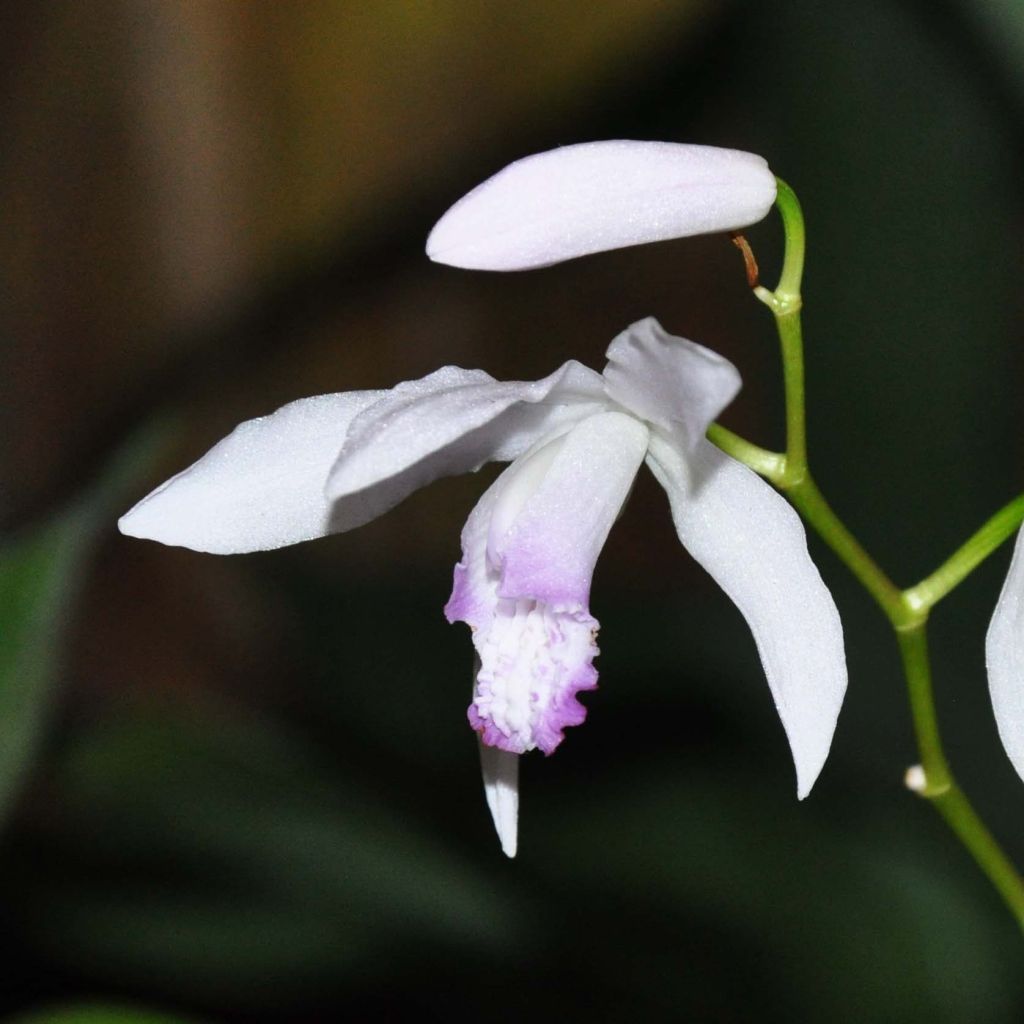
(594, 196)
(575, 441)
(1004, 657)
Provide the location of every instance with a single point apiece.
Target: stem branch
(906, 610)
(968, 557)
(770, 465)
(811, 504)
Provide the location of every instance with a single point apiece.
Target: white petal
(474, 598)
(668, 380)
(752, 543)
(594, 196)
(450, 422)
(261, 487)
(548, 542)
(1004, 655)
(501, 787)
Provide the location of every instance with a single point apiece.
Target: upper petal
(594, 196)
(752, 543)
(261, 487)
(1004, 656)
(668, 380)
(450, 422)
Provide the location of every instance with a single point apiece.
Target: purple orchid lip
(523, 586)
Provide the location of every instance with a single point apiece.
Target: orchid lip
(534, 662)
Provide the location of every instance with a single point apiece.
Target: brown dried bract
(748, 258)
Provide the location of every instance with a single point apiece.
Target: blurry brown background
(243, 788)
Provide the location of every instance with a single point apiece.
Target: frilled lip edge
(518, 710)
(523, 585)
(534, 661)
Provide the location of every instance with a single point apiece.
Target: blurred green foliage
(37, 573)
(98, 1015)
(232, 861)
(42, 572)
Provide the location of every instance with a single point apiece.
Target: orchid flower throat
(524, 590)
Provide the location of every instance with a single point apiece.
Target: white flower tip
(807, 776)
(501, 786)
(174, 514)
(156, 518)
(257, 489)
(126, 524)
(508, 840)
(810, 740)
(595, 196)
(1004, 658)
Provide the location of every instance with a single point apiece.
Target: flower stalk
(1003, 525)
(907, 610)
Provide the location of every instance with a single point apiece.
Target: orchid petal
(452, 421)
(1004, 656)
(261, 487)
(547, 547)
(474, 597)
(595, 196)
(501, 787)
(529, 550)
(668, 380)
(752, 543)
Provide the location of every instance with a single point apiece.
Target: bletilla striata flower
(1004, 656)
(575, 441)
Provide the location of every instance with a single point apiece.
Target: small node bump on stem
(915, 779)
(749, 262)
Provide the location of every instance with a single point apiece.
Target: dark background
(243, 789)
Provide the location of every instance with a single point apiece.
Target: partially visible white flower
(1004, 656)
(575, 441)
(594, 196)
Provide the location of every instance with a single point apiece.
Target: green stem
(793, 226)
(968, 557)
(960, 816)
(913, 643)
(934, 781)
(791, 340)
(785, 303)
(907, 610)
(770, 465)
(811, 504)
